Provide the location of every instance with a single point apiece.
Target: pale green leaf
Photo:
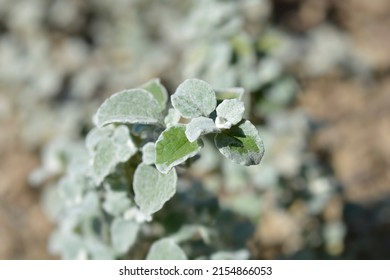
(108, 148)
(152, 188)
(149, 153)
(98, 250)
(116, 202)
(241, 144)
(123, 234)
(231, 110)
(200, 126)
(158, 90)
(172, 118)
(166, 249)
(173, 148)
(190, 232)
(229, 93)
(194, 98)
(128, 107)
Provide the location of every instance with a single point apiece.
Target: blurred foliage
(63, 58)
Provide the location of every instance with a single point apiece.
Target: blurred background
(317, 81)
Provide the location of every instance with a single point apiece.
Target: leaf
(241, 144)
(116, 202)
(231, 110)
(98, 250)
(194, 98)
(173, 148)
(158, 90)
(149, 153)
(123, 234)
(200, 126)
(191, 232)
(112, 146)
(166, 249)
(152, 189)
(229, 93)
(129, 107)
(172, 118)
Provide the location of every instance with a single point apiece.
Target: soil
(24, 229)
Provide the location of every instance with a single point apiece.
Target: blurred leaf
(116, 202)
(149, 153)
(229, 93)
(166, 249)
(123, 234)
(152, 189)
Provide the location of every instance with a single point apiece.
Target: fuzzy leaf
(231, 110)
(172, 118)
(194, 98)
(152, 189)
(129, 106)
(149, 153)
(111, 148)
(200, 126)
(123, 234)
(241, 144)
(158, 90)
(173, 148)
(166, 249)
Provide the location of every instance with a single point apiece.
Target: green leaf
(123, 234)
(241, 144)
(194, 98)
(128, 107)
(166, 249)
(109, 147)
(173, 148)
(231, 110)
(229, 93)
(200, 126)
(158, 90)
(152, 189)
(149, 153)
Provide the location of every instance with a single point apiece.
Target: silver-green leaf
(129, 107)
(108, 148)
(116, 202)
(194, 98)
(172, 118)
(166, 249)
(200, 126)
(173, 148)
(241, 144)
(123, 234)
(152, 188)
(149, 153)
(231, 110)
(158, 90)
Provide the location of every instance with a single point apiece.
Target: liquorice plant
(130, 171)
